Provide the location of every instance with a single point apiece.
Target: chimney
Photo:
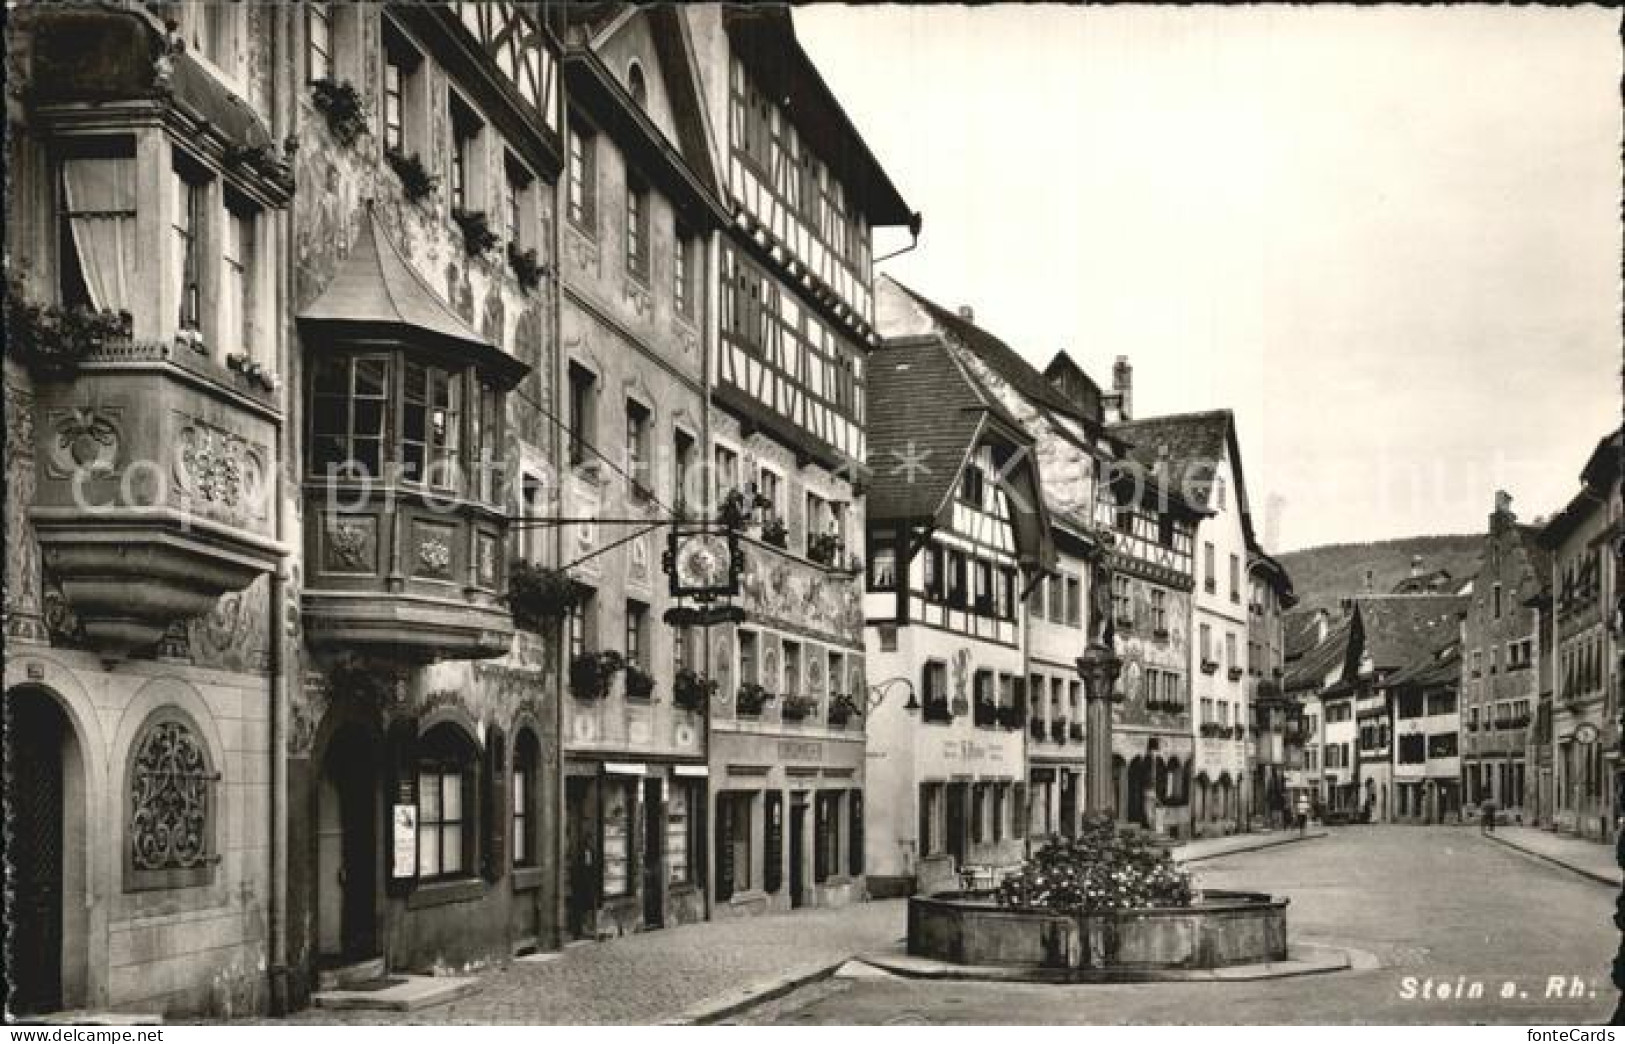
(967, 313)
(1502, 515)
(1416, 566)
(1123, 387)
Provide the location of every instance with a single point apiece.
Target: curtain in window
(100, 198)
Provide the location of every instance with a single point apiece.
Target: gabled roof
(999, 357)
(376, 293)
(1599, 476)
(1398, 631)
(1192, 444)
(1299, 631)
(927, 415)
(1442, 668)
(764, 39)
(1309, 673)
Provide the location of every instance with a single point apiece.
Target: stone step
(396, 993)
(340, 976)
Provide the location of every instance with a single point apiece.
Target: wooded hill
(1322, 575)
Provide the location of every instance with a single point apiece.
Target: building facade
(956, 534)
(1270, 597)
(1151, 562)
(641, 210)
(1500, 686)
(1585, 674)
(788, 373)
(1197, 454)
(329, 743)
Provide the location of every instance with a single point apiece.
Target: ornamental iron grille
(169, 808)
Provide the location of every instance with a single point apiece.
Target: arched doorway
(47, 940)
(347, 847)
(1138, 780)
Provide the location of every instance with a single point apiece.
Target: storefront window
(733, 838)
(683, 837)
(620, 799)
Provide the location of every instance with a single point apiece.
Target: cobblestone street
(656, 976)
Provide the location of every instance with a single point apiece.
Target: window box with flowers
(751, 699)
(691, 690)
(341, 104)
(985, 715)
(52, 340)
(1057, 730)
(1009, 718)
(1211, 729)
(537, 594)
(640, 684)
(1209, 666)
(1075, 731)
(775, 532)
(1235, 673)
(416, 181)
(591, 673)
(936, 711)
(739, 506)
(797, 707)
(478, 239)
(825, 549)
(1037, 728)
(525, 266)
(842, 709)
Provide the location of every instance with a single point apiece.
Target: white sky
(1388, 238)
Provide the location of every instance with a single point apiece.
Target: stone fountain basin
(1225, 928)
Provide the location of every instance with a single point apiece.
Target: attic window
(635, 85)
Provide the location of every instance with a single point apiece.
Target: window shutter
(496, 803)
(854, 861)
(725, 852)
(401, 745)
(773, 859)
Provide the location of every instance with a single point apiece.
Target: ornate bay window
(405, 526)
(156, 482)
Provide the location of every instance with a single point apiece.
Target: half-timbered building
(786, 442)
(958, 531)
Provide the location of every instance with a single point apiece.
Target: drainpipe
(282, 51)
(561, 866)
(708, 340)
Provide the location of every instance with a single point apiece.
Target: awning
(624, 768)
(691, 771)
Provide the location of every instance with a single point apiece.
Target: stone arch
(80, 864)
(458, 716)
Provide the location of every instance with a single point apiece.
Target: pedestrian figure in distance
(1486, 823)
(1303, 814)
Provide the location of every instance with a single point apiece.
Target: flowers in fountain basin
(1100, 869)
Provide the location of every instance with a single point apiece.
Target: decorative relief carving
(800, 596)
(638, 562)
(169, 800)
(686, 339)
(434, 557)
(84, 440)
(23, 607)
(219, 472)
(233, 635)
(637, 295)
(350, 545)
